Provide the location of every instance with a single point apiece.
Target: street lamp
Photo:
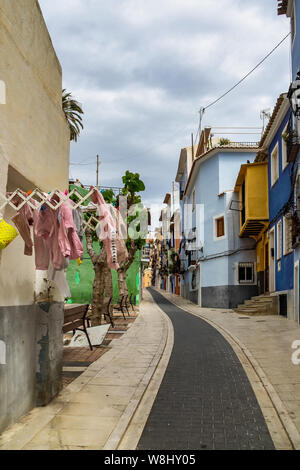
(294, 97)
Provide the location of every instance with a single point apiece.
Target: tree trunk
(97, 300)
(99, 262)
(108, 285)
(122, 283)
(123, 270)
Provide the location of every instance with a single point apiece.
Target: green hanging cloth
(77, 278)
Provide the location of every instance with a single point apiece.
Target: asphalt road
(205, 400)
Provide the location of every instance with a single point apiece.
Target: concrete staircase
(260, 305)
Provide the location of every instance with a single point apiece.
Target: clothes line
(36, 199)
(59, 225)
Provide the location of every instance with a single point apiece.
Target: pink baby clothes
(22, 220)
(46, 228)
(41, 250)
(108, 234)
(69, 242)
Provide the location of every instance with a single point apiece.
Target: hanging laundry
(78, 223)
(69, 242)
(46, 229)
(56, 228)
(118, 242)
(23, 220)
(107, 231)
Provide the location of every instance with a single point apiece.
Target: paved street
(205, 400)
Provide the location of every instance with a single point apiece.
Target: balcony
(252, 191)
(292, 143)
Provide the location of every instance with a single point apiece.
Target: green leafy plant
(223, 142)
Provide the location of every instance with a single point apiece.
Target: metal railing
(239, 144)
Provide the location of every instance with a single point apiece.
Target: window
(274, 165)
(246, 273)
(194, 201)
(284, 148)
(279, 239)
(220, 227)
(293, 25)
(287, 235)
(194, 280)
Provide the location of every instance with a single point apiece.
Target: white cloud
(142, 70)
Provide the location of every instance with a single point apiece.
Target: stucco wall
(32, 374)
(213, 184)
(33, 130)
(296, 44)
(34, 152)
(34, 137)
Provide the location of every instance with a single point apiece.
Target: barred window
(246, 273)
(279, 239)
(288, 235)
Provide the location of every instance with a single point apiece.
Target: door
(266, 286)
(272, 261)
(296, 292)
(199, 286)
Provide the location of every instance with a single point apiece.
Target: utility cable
(204, 109)
(247, 75)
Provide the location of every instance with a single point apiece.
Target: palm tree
(73, 111)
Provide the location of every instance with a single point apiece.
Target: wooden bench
(108, 308)
(131, 300)
(75, 319)
(127, 304)
(121, 306)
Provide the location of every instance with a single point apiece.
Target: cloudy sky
(142, 69)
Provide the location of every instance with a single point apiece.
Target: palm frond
(73, 111)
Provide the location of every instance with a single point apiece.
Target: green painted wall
(82, 292)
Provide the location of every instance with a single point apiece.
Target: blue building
(212, 252)
(291, 8)
(274, 150)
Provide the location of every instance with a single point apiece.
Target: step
(246, 312)
(253, 312)
(244, 308)
(262, 297)
(258, 302)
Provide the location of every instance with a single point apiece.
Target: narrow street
(205, 400)
(149, 228)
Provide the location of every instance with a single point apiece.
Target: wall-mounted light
(294, 96)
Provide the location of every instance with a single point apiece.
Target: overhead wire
(247, 75)
(205, 108)
(241, 80)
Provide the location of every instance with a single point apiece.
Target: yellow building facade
(147, 278)
(252, 189)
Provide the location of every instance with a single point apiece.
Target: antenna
(265, 114)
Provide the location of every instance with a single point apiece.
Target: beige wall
(34, 137)
(33, 131)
